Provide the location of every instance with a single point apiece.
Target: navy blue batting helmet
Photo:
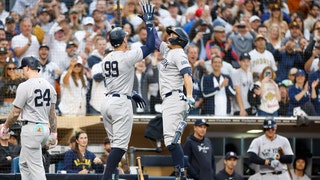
(182, 39)
(269, 122)
(117, 36)
(31, 62)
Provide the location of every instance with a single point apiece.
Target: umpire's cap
(30, 61)
(269, 122)
(117, 36)
(182, 39)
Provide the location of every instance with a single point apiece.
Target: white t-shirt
(261, 60)
(20, 40)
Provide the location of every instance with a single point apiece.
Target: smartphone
(268, 73)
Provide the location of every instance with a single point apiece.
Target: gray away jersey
(118, 70)
(35, 97)
(172, 62)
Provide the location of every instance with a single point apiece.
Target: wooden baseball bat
(140, 168)
(280, 150)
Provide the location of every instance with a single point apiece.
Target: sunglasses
(9, 68)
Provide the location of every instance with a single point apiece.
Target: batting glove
(139, 100)
(52, 140)
(3, 131)
(274, 163)
(148, 11)
(191, 102)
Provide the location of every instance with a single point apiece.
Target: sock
(112, 162)
(177, 156)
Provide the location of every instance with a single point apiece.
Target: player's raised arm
(147, 17)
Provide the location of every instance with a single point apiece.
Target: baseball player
(35, 101)
(272, 152)
(174, 72)
(118, 70)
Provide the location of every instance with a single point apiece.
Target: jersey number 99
(111, 69)
(42, 97)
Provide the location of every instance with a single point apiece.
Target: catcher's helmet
(117, 36)
(30, 61)
(269, 122)
(182, 39)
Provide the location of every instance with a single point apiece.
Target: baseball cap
(254, 18)
(73, 11)
(173, 4)
(294, 24)
(88, 20)
(293, 71)
(203, 22)
(58, 28)
(275, 7)
(44, 46)
(285, 83)
(260, 36)
(44, 10)
(3, 50)
(198, 12)
(269, 122)
(200, 122)
(30, 61)
(300, 72)
(230, 155)
(79, 60)
(10, 19)
(219, 29)
(71, 43)
(245, 56)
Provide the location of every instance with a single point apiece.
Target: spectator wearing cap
(242, 82)
(241, 39)
(45, 21)
(284, 99)
(10, 25)
(276, 17)
(3, 12)
(229, 171)
(57, 45)
(85, 35)
(304, 32)
(295, 34)
(200, 34)
(217, 90)
(300, 95)
(48, 70)
(73, 83)
(260, 56)
(272, 6)
(200, 153)
(263, 30)
(287, 57)
(74, 18)
(254, 23)
(219, 38)
(300, 164)
(312, 17)
(175, 19)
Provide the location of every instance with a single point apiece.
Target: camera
(268, 73)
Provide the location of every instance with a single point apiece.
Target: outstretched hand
(148, 11)
(139, 100)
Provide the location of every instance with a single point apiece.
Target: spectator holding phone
(269, 93)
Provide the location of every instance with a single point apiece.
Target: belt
(274, 172)
(170, 93)
(26, 122)
(118, 95)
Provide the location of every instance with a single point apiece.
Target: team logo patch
(164, 62)
(38, 128)
(184, 62)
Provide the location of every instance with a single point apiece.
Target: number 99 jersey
(35, 97)
(118, 70)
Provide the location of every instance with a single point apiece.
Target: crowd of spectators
(70, 37)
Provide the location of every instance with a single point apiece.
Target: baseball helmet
(117, 36)
(30, 61)
(269, 122)
(182, 39)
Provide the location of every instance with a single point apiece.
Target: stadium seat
(15, 165)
